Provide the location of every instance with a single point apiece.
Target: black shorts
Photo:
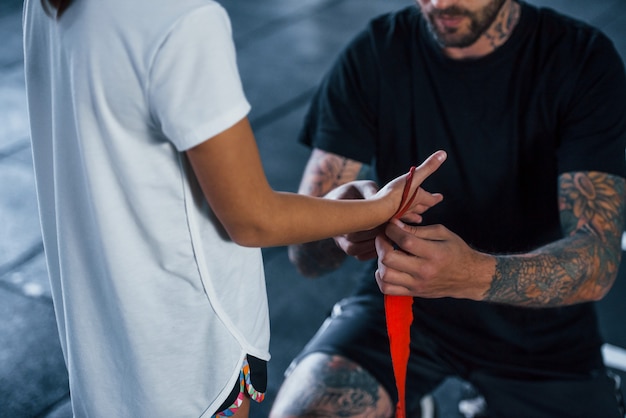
(252, 383)
(356, 330)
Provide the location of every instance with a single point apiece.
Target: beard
(462, 37)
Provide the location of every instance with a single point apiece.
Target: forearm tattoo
(580, 267)
(323, 173)
(343, 390)
(326, 171)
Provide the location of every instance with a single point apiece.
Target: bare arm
(324, 172)
(231, 175)
(580, 267)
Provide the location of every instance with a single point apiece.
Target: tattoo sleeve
(323, 173)
(340, 389)
(580, 267)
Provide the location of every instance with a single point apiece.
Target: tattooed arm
(583, 265)
(324, 172)
(580, 267)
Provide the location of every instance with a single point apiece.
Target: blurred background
(284, 47)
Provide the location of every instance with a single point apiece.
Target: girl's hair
(59, 7)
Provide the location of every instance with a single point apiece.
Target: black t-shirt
(551, 100)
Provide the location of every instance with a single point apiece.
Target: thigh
(594, 396)
(325, 385)
(348, 361)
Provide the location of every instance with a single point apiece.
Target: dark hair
(59, 7)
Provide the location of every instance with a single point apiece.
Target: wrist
(483, 272)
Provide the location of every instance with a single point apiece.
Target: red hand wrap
(399, 316)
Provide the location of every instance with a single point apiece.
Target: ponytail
(59, 7)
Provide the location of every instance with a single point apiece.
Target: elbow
(603, 287)
(247, 237)
(598, 287)
(249, 226)
(606, 273)
(296, 257)
(249, 234)
(317, 258)
(598, 278)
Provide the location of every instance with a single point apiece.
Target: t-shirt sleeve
(195, 91)
(342, 118)
(594, 126)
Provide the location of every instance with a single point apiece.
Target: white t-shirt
(156, 306)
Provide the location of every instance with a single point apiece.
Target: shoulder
(194, 16)
(553, 29)
(569, 52)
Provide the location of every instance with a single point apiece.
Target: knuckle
(406, 242)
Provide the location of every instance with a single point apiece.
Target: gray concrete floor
(284, 47)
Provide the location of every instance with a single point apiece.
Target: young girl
(153, 203)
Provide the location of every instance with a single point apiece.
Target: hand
(359, 245)
(430, 262)
(418, 199)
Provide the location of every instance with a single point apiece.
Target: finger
(371, 255)
(363, 236)
(426, 200)
(414, 179)
(428, 167)
(360, 250)
(390, 256)
(409, 248)
(413, 218)
(423, 201)
(383, 246)
(397, 229)
(388, 287)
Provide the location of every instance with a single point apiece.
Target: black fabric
(593, 396)
(549, 101)
(258, 379)
(356, 330)
(258, 373)
(231, 398)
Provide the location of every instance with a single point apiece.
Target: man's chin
(448, 41)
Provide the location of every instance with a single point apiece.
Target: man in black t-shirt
(531, 108)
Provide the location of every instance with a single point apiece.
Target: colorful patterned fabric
(246, 388)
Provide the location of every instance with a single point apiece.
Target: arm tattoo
(324, 172)
(580, 267)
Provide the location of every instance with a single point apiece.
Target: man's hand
(433, 262)
(359, 245)
(430, 262)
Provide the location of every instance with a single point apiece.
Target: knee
(323, 384)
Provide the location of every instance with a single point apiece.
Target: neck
(495, 36)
